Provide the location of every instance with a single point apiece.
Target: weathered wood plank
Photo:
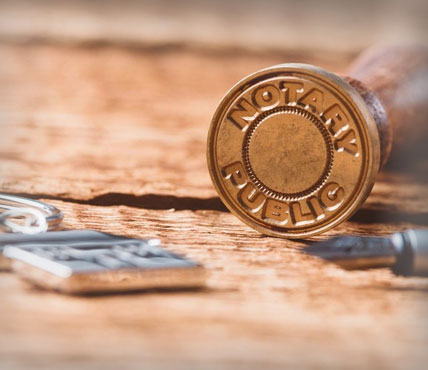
(82, 122)
(116, 139)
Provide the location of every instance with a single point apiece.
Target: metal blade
(355, 252)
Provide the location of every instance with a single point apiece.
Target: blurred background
(327, 26)
(67, 61)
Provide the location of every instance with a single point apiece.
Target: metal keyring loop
(39, 216)
(35, 221)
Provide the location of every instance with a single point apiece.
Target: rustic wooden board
(116, 139)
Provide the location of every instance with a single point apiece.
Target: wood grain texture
(116, 139)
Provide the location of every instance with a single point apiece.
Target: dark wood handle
(394, 84)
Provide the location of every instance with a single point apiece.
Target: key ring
(38, 216)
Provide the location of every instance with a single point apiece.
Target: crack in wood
(146, 201)
(167, 202)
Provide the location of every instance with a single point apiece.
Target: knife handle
(393, 81)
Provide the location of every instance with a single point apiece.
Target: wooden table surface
(115, 138)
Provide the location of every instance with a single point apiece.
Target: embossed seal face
(293, 150)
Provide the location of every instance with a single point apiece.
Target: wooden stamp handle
(394, 84)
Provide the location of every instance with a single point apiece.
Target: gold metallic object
(293, 150)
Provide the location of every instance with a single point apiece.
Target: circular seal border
(365, 125)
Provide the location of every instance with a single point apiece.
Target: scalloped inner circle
(289, 154)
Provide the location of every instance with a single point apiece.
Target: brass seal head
(293, 150)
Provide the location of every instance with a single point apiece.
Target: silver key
(85, 261)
